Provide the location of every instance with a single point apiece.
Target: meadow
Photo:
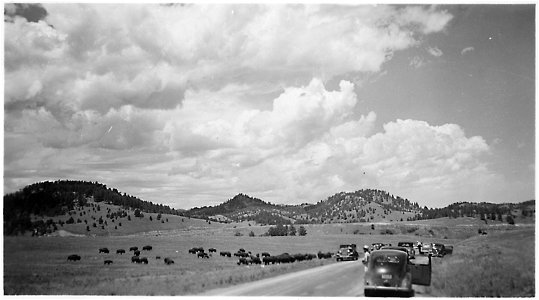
(500, 264)
(39, 266)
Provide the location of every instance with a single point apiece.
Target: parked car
(438, 250)
(409, 246)
(403, 249)
(390, 273)
(347, 252)
(377, 246)
(426, 248)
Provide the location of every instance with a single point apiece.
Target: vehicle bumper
(343, 258)
(375, 288)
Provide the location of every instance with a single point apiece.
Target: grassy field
(500, 264)
(39, 266)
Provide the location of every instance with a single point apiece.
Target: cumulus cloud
(435, 51)
(466, 50)
(148, 55)
(221, 99)
(417, 62)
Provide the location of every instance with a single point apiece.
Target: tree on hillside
(510, 220)
(292, 230)
(302, 231)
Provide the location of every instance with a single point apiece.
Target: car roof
(395, 248)
(384, 251)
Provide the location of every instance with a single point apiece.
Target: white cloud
(152, 98)
(435, 51)
(466, 50)
(417, 62)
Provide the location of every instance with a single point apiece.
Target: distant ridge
(362, 206)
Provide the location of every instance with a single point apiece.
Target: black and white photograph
(288, 149)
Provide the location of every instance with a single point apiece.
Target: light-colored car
(426, 248)
(390, 273)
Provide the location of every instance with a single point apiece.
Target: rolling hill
(92, 208)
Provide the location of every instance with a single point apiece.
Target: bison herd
(134, 259)
(247, 258)
(244, 257)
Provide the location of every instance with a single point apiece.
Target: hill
(93, 208)
(46, 199)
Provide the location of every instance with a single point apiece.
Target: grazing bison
(133, 249)
(241, 254)
(269, 260)
(108, 262)
(285, 258)
(103, 250)
(212, 250)
(255, 260)
(244, 261)
(202, 255)
(195, 250)
(136, 252)
(135, 259)
(120, 251)
(225, 253)
(265, 254)
(324, 255)
(168, 261)
(73, 257)
(143, 260)
(147, 248)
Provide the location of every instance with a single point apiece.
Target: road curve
(344, 279)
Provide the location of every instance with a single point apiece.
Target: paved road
(343, 279)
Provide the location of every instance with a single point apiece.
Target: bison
(265, 254)
(244, 261)
(195, 250)
(241, 254)
(108, 262)
(135, 259)
(225, 253)
(168, 261)
(147, 248)
(143, 260)
(73, 257)
(136, 252)
(212, 250)
(202, 255)
(133, 249)
(120, 251)
(158, 257)
(103, 250)
(324, 255)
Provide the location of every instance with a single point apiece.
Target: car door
(421, 273)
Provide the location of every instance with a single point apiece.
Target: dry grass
(500, 264)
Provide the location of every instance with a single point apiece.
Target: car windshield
(389, 261)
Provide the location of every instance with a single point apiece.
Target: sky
(189, 105)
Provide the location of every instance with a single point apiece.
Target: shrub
(386, 231)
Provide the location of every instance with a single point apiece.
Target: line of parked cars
(391, 270)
